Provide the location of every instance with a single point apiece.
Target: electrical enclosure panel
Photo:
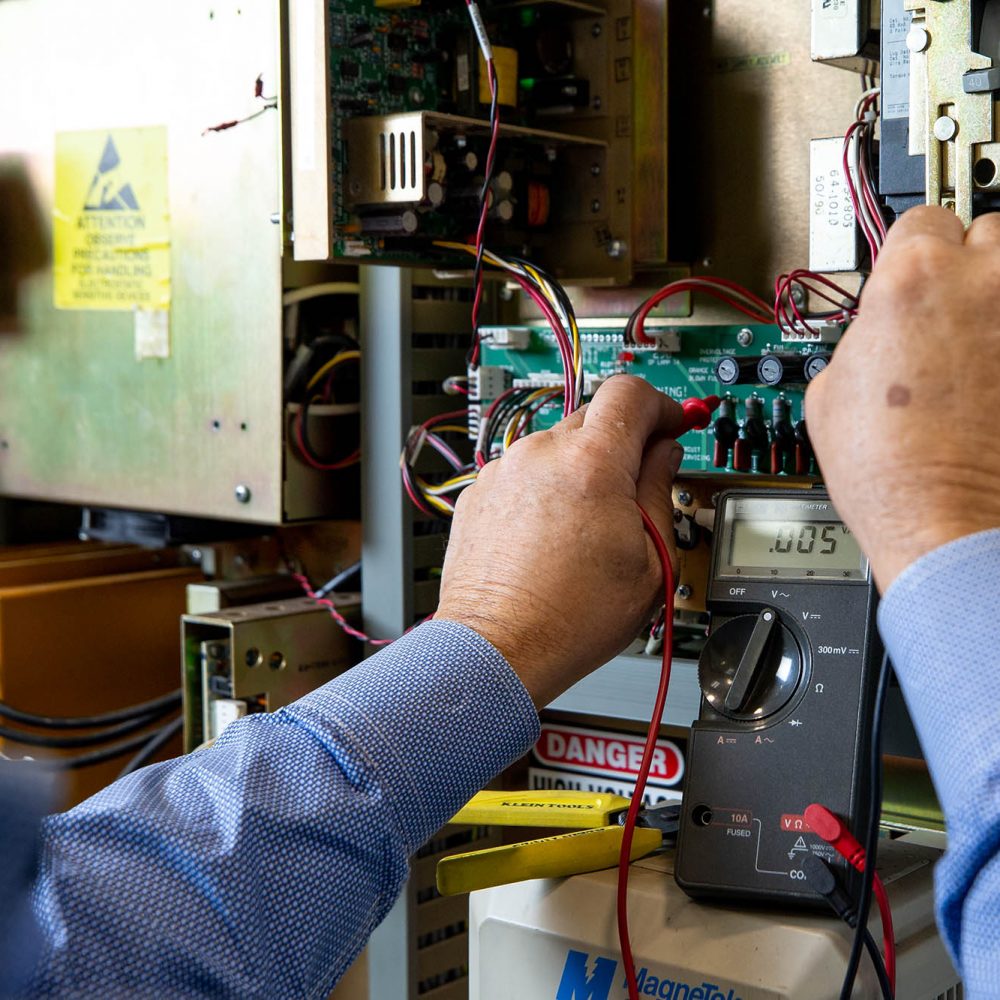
(390, 133)
(844, 33)
(153, 380)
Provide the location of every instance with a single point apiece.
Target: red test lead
(698, 413)
(832, 829)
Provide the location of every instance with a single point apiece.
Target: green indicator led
(528, 83)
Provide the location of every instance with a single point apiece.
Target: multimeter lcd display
(789, 538)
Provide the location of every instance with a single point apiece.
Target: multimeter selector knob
(750, 667)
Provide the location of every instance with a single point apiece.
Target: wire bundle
(510, 415)
(555, 305)
(797, 284)
(435, 498)
(729, 292)
(106, 727)
(858, 148)
(300, 428)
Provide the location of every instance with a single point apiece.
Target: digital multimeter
(788, 676)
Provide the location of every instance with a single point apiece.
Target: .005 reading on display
(772, 546)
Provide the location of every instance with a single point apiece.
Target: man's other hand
(548, 558)
(902, 420)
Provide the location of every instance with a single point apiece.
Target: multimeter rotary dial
(750, 667)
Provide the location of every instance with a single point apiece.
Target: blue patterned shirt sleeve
(259, 867)
(941, 624)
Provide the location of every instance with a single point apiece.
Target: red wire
(647, 754)
(342, 463)
(702, 284)
(484, 210)
(335, 614)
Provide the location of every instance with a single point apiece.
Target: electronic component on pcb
(783, 442)
(833, 228)
(725, 430)
(781, 369)
(731, 370)
(845, 33)
(816, 363)
(752, 444)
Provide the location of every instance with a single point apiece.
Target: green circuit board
(687, 371)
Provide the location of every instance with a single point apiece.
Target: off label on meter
(111, 230)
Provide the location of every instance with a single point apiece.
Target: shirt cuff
(940, 625)
(428, 722)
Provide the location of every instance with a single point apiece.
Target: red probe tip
(698, 413)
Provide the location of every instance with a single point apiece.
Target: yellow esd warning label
(111, 230)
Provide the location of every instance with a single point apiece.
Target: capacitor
(815, 363)
(504, 210)
(731, 370)
(435, 193)
(504, 181)
(781, 369)
(395, 224)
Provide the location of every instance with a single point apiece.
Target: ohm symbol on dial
(819, 689)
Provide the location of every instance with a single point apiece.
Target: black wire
(871, 838)
(154, 707)
(105, 753)
(159, 740)
(879, 963)
(76, 741)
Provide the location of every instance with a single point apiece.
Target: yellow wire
(337, 359)
(515, 420)
(457, 428)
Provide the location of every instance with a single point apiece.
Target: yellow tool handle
(566, 810)
(551, 857)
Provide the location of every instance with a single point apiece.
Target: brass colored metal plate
(944, 62)
(81, 420)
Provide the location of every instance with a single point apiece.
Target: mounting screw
(275, 218)
(595, 170)
(595, 206)
(945, 128)
(684, 498)
(595, 29)
(83, 536)
(617, 249)
(918, 39)
(798, 296)
(242, 493)
(195, 555)
(745, 337)
(596, 104)
(684, 591)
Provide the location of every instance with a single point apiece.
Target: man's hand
(548, 558)
(902, 420)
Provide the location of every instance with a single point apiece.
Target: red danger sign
(610, 755)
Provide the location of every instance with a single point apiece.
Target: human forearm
(942, 630)
(260, 866)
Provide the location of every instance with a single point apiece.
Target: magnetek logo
(583, 979)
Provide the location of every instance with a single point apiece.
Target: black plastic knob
(750, 667)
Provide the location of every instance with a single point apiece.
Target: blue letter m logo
(577, 984)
